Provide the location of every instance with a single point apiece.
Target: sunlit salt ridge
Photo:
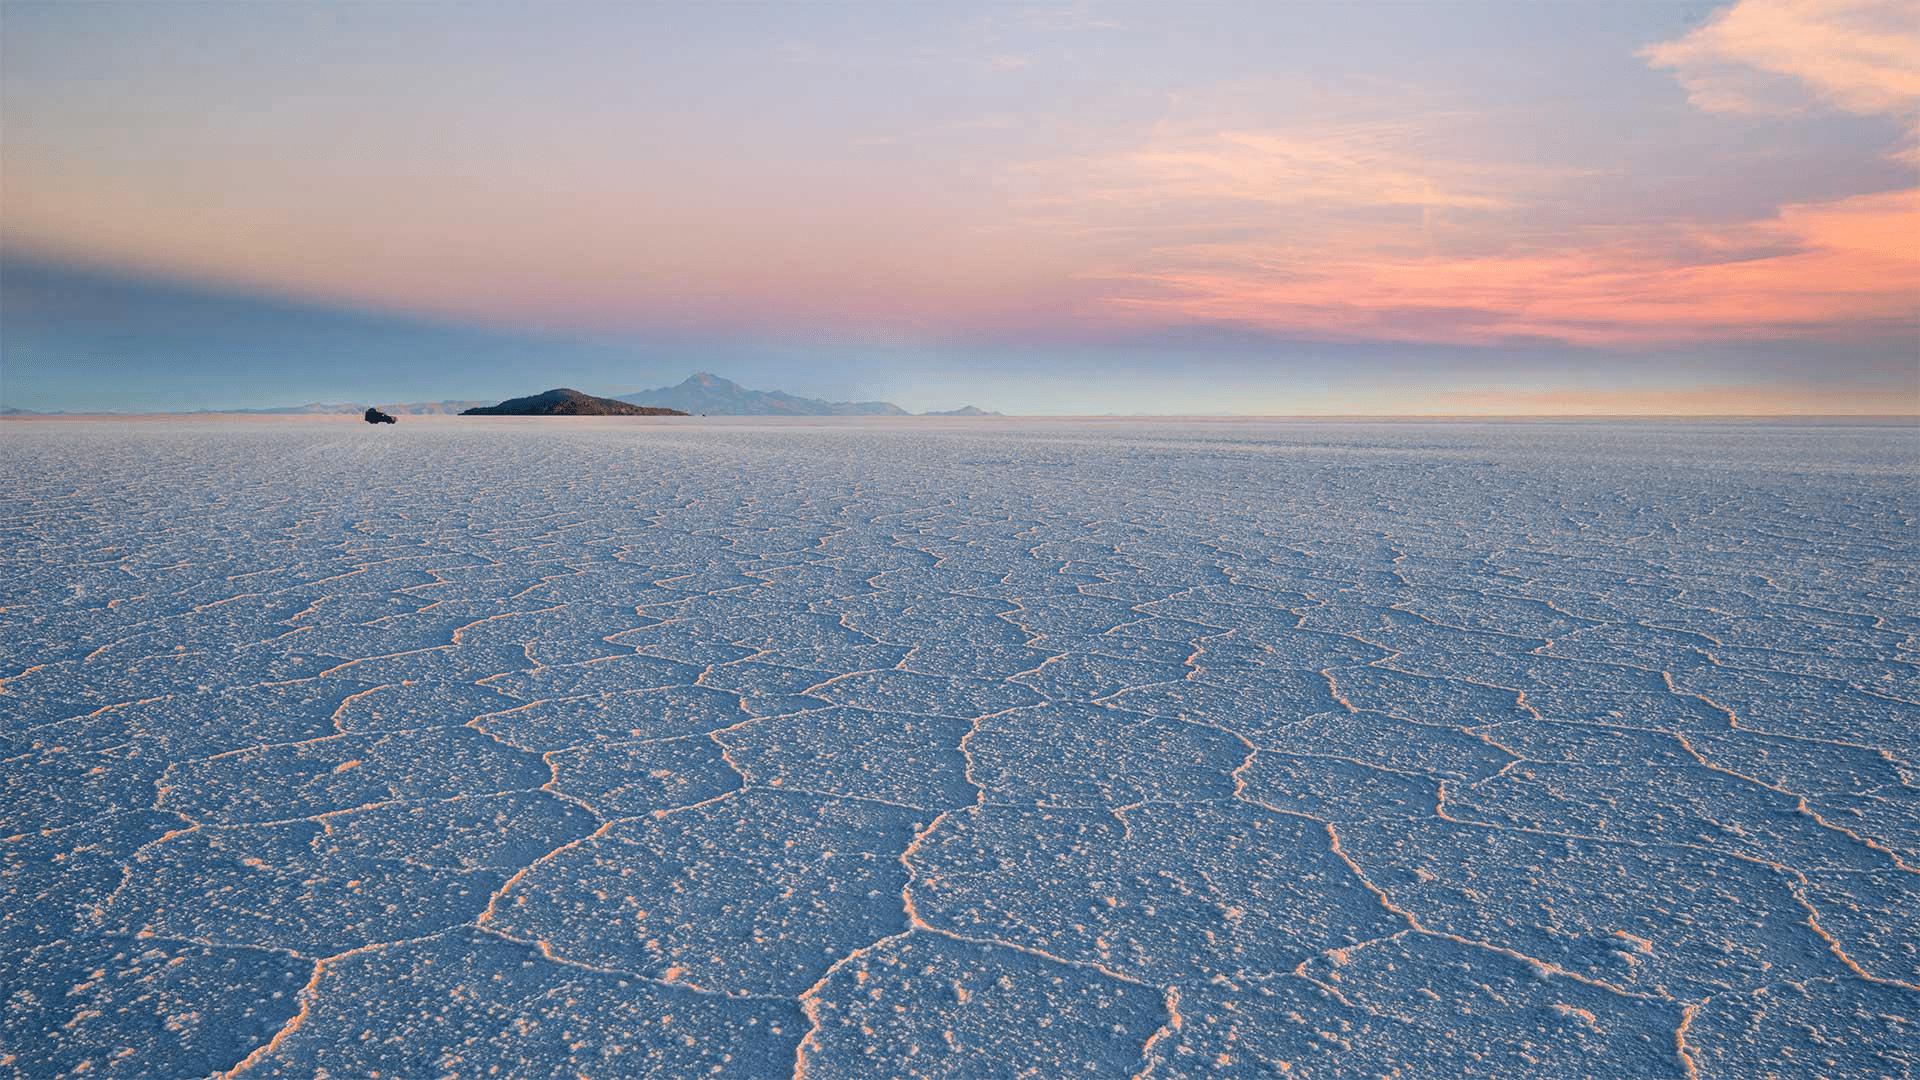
(869, 750)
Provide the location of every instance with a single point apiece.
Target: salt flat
(930, 748)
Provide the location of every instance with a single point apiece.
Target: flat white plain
(932, 748)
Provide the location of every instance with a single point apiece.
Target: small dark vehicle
(375, 416)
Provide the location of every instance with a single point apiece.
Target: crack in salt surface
(1438, 619)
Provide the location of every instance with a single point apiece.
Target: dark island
(564, 402)
(375, 416)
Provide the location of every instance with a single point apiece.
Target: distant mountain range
(715, 396)
(565, 402)
(311, 408)
(701, 394)
(328, 408)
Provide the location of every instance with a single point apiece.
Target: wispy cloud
(1354, 166)
(1759, 56)
(1862, 56)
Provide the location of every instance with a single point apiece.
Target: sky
(1267, 208)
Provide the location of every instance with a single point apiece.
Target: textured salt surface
(948, 749)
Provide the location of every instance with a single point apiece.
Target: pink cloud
(1820, 268)
(1861, 56)
(1317, 250)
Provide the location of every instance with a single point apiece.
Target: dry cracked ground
(1006, 749)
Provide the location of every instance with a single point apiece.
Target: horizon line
(269, 416)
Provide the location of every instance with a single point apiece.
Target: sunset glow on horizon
(1461, 208)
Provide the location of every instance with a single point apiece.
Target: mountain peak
(707, 393)
(964, 410)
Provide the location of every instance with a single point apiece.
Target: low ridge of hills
(715, 396)
(327, 408)
(562, 401)
(311, 408)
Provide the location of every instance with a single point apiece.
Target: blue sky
(1356, 207)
